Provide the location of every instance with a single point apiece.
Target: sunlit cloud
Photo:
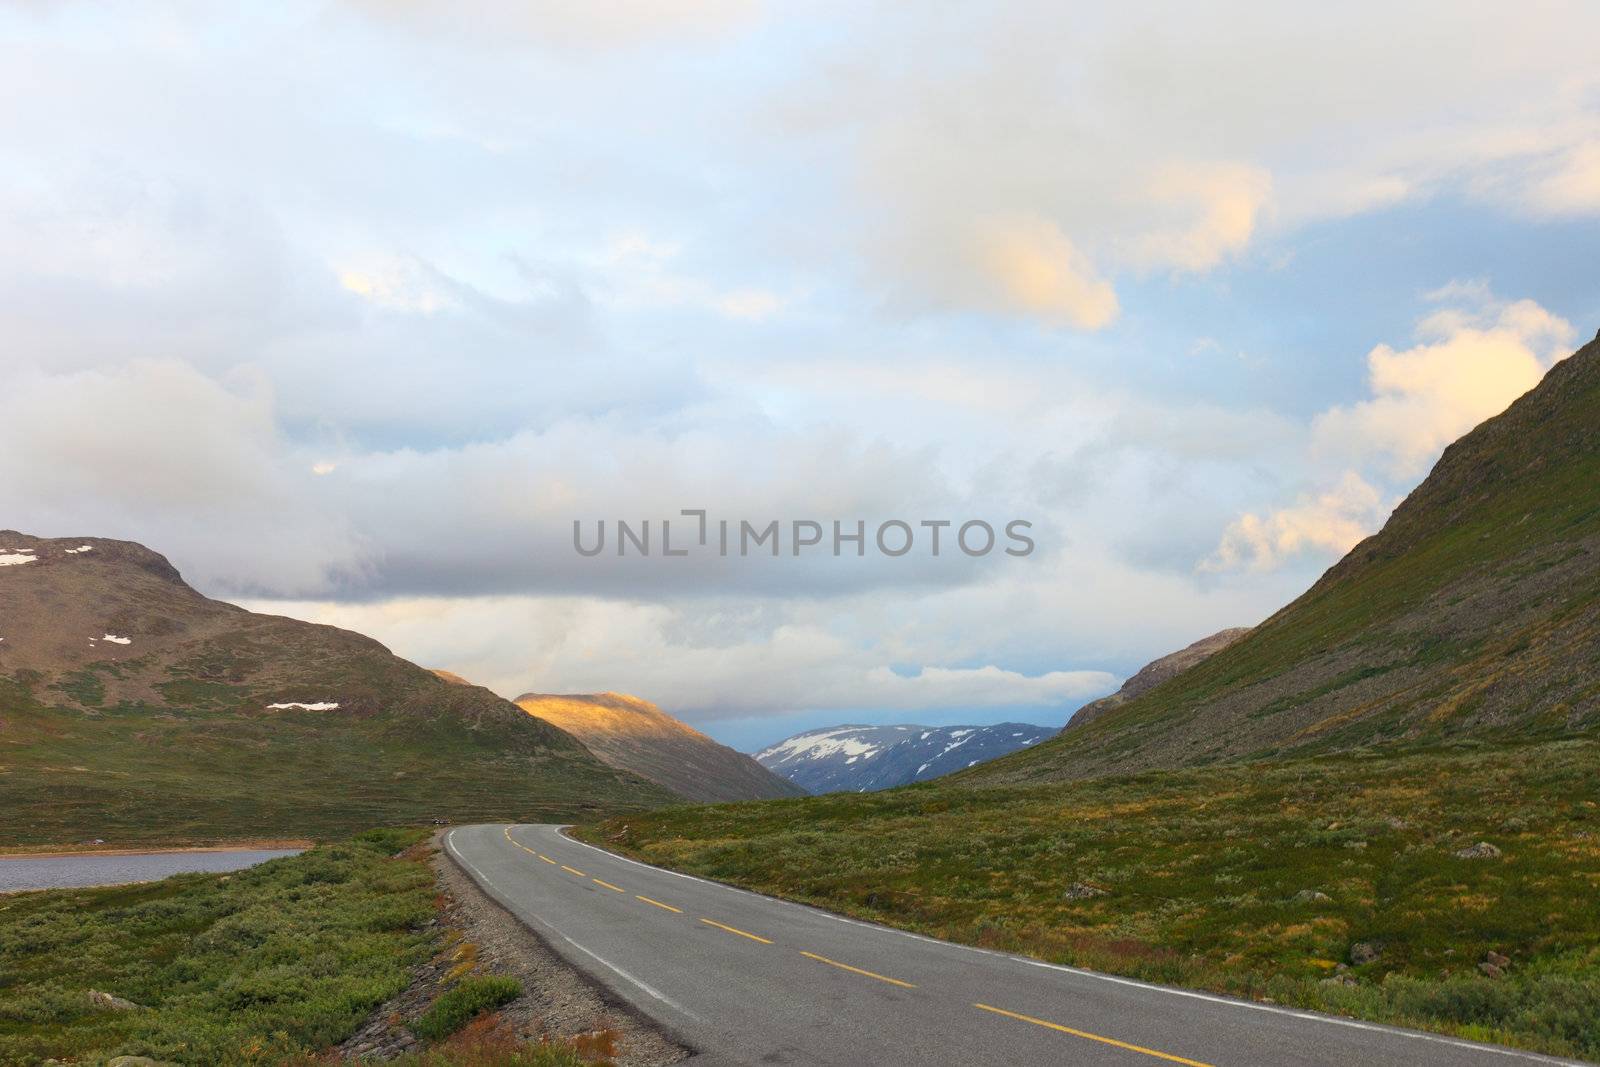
(1473, 358)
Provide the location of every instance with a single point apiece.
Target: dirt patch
(481, 937)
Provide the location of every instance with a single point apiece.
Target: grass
(259, 966)
(463, 1002)
(1207, 877)
(136, 774)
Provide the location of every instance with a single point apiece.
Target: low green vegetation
(258, 966)
(1351, 883)
(463, 1002)
(138, 774)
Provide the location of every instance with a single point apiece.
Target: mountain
(1473, 614)
(1157, 671)
(855, 759)
(134, 708)
(634, 735)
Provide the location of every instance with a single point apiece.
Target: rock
(108, 1002)
(1340, 980)
(1490, 969)
(1311, 896)
(1497, 959)
(135, 1061)
(1364, 952)
(1082, 891)
(1481, 851)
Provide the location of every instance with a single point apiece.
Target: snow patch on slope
(818, 746)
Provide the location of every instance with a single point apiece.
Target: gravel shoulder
(557, 1002)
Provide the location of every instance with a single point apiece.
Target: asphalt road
(747, 979)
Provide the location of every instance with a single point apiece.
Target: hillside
(132, 708)
(635, 735)
(1473, 613)
(1157, 671)
(856, 759)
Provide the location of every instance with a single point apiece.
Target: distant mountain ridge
(1473, 615)
(134, 708)
(1157, 671)
(634, 735)
(866, 758)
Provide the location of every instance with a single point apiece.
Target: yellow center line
(608, 885)
(542, 856)
(519, 844)
(573, 870)
(735, 930)
(857, 970)
(1093, 1037)
(658, 904)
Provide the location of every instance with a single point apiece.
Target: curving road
(747, 979)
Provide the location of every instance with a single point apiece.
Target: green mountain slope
(134, 709)
(1475, 612)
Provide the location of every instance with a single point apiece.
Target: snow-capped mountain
(858, 759)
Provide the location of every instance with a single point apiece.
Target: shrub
(470, 998)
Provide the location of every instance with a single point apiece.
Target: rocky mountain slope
(1157, 671)
(134, 708)
(635, 735)
(1473, 614)
(856, 759)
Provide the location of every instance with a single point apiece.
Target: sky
(351, 309)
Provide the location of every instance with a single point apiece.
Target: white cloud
(1331, 522)
(1472, 359)
(1470, 364)
(1217, 208)
(1030, 265)
(767, 663)
(157, 445)
(558, 24)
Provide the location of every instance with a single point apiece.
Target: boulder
(109, 1002)
(1481, 851)
(1364, 952)
(1082, 891)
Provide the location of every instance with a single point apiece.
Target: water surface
(62, 872)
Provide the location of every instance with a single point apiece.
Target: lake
(63, 872)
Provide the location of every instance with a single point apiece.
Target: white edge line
(1273, 1009)
(449, 842)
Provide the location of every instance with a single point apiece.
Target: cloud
(1330, 522)
(1218, 207)
(1572, 187)
(1030, 265)
(783, 660)
(1473, 358)
(1470, 364)
(584, 24)
(116, 452)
